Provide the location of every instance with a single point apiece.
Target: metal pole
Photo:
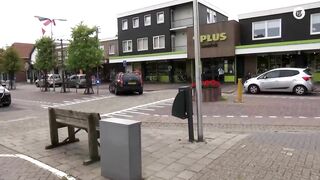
(62, 65)
(97, 79)
(198, 69)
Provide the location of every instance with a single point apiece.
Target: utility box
(120, 149)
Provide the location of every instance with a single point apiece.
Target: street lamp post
(198, 69)
(97, 79)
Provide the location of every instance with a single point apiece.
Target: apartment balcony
(187, 22)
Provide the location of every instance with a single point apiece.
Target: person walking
(221, 75)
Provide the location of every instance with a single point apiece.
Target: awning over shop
(149, 57)
(313, 44)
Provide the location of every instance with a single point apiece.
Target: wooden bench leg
(54, 132)
(53, 129)
(93, 142)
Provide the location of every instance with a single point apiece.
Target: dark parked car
(126, 82)
(5, 96)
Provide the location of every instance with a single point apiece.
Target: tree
(1, 60)
(45, 58)
(11, 63)
(84, 52)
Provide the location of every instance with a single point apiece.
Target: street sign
(124, 63)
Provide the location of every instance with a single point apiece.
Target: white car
(296, 80)
(5, 96)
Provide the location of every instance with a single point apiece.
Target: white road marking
(215, 116)
(258, 116)
(205, 116)
(54, 171)
(156, 106)
(230, 116)
(317, 117)
(122, 115)
(135, 112)
(19, 119)
(244, 116)
(302, 117)
(273, 117)
(139, 107)
(156, 115)
(165, 115)
(287, 117)
(145, 109)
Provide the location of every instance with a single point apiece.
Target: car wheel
(141, 92)
(37, 85)
(299, 90)
(8, 104)
(253, 89)
(110, 89)
(116, 92)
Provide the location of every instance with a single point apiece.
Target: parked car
(5, 96)
(296, 80)
(126, 82)
(51, 77)
(79, 80)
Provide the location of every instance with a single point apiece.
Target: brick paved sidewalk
(14, 168)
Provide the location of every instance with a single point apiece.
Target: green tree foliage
(84, 52)
(1, 60)
(45, 58)
(11, 63)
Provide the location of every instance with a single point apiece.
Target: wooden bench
(59, 118)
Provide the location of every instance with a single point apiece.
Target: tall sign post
(198, 69)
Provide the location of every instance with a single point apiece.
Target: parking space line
(19, 119)
(122, 115)
(145, 109)
(135, 112)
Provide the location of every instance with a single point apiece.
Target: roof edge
(169, 4)
(278, 10)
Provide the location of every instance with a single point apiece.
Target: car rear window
(288, 73)
(130, 76)
(307, 71)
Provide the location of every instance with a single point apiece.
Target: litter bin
(182, 108)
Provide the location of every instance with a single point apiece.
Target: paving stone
(186, 174)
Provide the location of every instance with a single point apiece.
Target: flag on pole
(46, 21)
(43, 31)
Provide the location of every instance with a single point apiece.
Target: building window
(135, 22)
(266, 29)
(127, 46)
(147, 20)
(111, 49)
(315, 23)
(160, 17)
(142, 44)
(211, 16)
(124, 24)
(159, 42)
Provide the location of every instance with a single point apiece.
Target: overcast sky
(18, 23)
